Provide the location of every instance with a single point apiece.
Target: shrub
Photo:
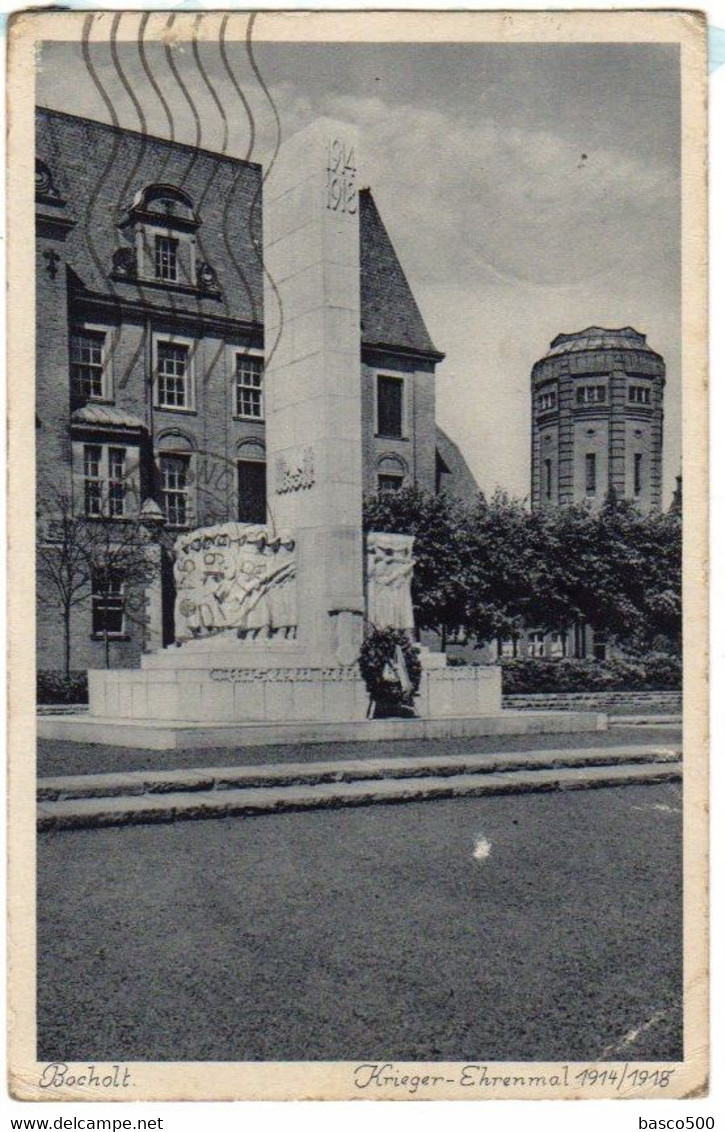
(53, 687)
(650, 672)
(377, 663)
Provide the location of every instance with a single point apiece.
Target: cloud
(523, 204)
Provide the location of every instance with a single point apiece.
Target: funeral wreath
(390, 667)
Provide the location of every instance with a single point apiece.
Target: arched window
(175, 461)
(392, 472)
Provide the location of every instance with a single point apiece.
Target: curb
(80, 813)
(144, 782)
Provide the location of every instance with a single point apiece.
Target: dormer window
(159, 245)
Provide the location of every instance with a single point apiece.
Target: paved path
(56, 757)
(541, 926)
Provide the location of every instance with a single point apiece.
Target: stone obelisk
(313, 382)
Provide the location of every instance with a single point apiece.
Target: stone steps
(118, 799)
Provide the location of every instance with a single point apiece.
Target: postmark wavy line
(128, 182)
(269, 352)
(100, 181)
(238, 267)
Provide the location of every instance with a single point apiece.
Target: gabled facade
(150, 349)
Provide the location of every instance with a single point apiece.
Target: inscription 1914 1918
(341, 177)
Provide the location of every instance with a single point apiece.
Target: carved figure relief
(124, 262)
(45, 189)
(234, 577)
(206, 277)
(295, 479)
(389, 572)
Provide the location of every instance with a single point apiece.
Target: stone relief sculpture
(389, 572)
(234, 577)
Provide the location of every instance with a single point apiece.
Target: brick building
(596, 420)
(150, 353)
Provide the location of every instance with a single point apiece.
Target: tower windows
(639, 395)
(591, 395)
(546, 400)
(547, 478)
(637, 473)
(590, 473)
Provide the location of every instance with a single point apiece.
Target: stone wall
(638, 702)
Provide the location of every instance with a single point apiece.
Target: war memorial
(270, 618)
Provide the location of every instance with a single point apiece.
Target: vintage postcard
(358, 733)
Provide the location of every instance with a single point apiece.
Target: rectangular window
(591, 473)
(547, 400)
(248, 395)
(591, 394)
(639, 394)
(172, 376)
(175, 489)
(104, 481)
(87, 363)
(252, 480)
(390, 406)
(547, 478)
(638, 473)
(388, 482)
(166, 258)
(108, 604)
(93, 480)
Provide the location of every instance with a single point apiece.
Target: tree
(493, 568)
(63, 574)
(80, 557)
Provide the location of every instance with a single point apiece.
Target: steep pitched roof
(390, 314)
(100, 169)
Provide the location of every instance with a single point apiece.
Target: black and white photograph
(359, 432)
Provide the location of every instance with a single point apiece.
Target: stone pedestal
(313, 380)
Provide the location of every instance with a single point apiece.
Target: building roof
(389, 312)
(463, 482)
(598, 338)
(100, 171)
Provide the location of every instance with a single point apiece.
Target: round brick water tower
(596, 419)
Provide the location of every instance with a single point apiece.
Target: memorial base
(160, 735)
(218, 691)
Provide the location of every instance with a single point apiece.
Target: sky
(528, 189)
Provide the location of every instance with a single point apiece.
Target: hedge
(654, 672)
(53, 687)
